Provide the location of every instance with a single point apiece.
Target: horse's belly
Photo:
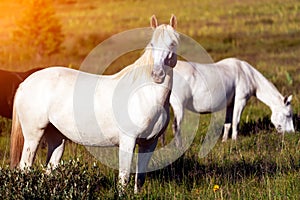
(208, 103)
(101, 141)
(85, 129)
(88, 138)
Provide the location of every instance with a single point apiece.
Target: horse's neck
(266, 91)
(141, 67)
(140, 72)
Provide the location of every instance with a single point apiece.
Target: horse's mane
(142, 66)
(164, 29)
(264, 87)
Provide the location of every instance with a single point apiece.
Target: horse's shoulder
(183, 66)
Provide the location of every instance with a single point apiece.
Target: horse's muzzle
(158, 76)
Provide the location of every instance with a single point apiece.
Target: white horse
(48, 100)
(240, 81)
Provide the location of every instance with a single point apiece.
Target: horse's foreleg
(228, 122)
(178, 116)
(126, 150)
(145, 153)
(227, 127)
(237, 112)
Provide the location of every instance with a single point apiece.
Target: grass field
(260, 165)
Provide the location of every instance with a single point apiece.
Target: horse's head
(282, 116)
(163, 45)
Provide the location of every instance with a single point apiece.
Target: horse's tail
(16, 140)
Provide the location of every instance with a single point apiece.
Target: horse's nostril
(158, 75)
(161, 73)
(279, 128)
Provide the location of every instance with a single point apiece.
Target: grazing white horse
(240, 82)
(48, 100)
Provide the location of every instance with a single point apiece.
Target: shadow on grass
(187, 171)
(251, 127)
(296, 120)
(263, 124)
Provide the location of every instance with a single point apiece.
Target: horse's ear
(173, 21)
(153, 22)
(287, 100)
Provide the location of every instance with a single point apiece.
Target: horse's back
(57, 95)
(210, 85)
(240, 68)
(51, 73)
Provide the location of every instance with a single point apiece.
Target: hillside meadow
(262, 164)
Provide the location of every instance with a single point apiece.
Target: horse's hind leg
(56, 144)
(228, 122)
(176, 126)
(30, 147)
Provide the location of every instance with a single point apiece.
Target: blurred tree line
(38, 32)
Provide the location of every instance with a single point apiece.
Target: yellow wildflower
(216, 188)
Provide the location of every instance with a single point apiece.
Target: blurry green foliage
(289, 78)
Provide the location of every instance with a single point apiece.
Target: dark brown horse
(9, 82)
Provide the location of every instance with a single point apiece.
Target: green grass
(260, 165)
